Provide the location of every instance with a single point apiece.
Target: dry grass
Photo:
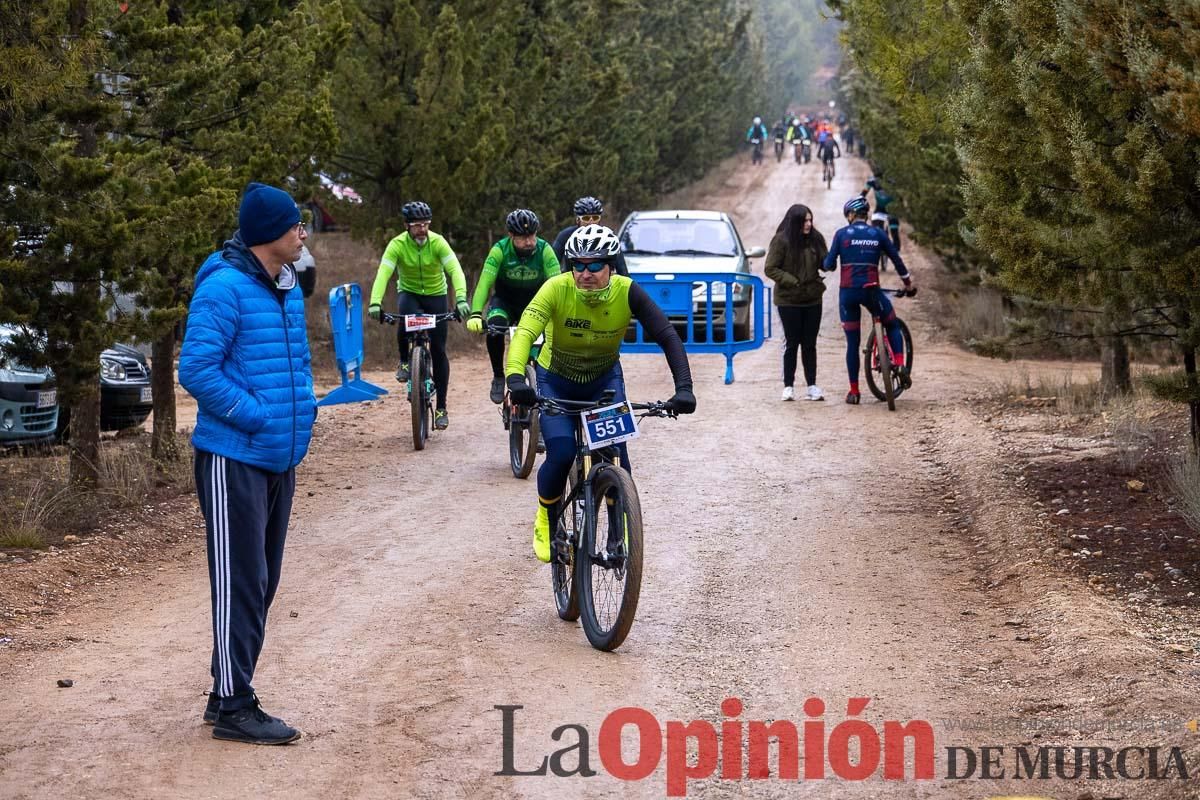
(1058, 390)
(25, 519)
(1184, 481)
(126, 473)
(1131, 432)
(981, 316)
(342, 259)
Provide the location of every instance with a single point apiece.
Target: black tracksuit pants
(246, 512)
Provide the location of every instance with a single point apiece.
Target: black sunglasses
(594, 266)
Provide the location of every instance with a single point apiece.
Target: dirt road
(794, 551)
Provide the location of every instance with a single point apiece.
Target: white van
(28, 400)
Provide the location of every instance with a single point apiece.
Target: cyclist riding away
(859, 246)
(588, 211)
(882, 217)
(515, 268)
(827, 148)
(584, 315)
(420, 260)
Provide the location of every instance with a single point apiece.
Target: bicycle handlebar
(552, 405)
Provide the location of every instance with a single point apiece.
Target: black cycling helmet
(586, 206)
(522, 222)
(416, 211)
(855, 206)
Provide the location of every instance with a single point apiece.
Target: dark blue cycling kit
(860, 247)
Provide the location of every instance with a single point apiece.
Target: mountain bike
(806, 150)
(521, 422)
(420, 379)
(883, 377)
(778, 149)
(596, 542)
(827, 172)
(756, 155)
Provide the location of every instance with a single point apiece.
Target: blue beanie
(266, 214)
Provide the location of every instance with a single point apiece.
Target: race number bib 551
(609, 425)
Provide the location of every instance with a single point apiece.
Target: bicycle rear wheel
(611, 559)
(562, 576)
(877, 355)
(523, 434)
(418, 397)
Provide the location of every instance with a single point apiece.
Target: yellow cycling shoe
(541, 534)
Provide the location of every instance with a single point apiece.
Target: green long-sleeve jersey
(583, 341)
(419, 269)
(511, 273)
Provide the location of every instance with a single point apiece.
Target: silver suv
(679, 242)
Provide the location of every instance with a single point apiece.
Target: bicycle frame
(588, 462)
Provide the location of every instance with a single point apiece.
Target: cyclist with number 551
(584, 315)
(860, 248)
(420, 260)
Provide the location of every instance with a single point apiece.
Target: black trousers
(800, 327)
(428, 304)
(246, 513)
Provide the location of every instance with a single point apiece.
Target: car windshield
(679, 237)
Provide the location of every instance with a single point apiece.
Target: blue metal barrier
(346, 320)
(687, 300)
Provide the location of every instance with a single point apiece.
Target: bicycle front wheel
(610, 563)
(418, 397)
(563, 575)
(523, 434)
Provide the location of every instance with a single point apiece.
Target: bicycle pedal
(560, 551)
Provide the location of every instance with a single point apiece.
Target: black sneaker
(497, 392)
(211, 708)
(853, 398)
(252, 725)
(903, 376)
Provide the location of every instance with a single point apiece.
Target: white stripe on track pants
(246, 513)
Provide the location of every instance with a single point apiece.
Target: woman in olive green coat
(793, 262)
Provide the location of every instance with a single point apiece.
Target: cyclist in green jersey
(584, 315)
(515, 268)
(420, 260)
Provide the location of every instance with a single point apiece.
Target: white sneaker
(815, 393)
(789, 393)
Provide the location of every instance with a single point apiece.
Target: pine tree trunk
(164, 445)
(1189, 369)
(85, 437)
(1114, 366)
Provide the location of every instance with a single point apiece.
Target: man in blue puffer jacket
(245, 359)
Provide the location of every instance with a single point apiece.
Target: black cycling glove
(684, 402)
(521, 392)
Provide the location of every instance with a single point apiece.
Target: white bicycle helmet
(592, 241)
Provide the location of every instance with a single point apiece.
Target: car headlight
(112, 370)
